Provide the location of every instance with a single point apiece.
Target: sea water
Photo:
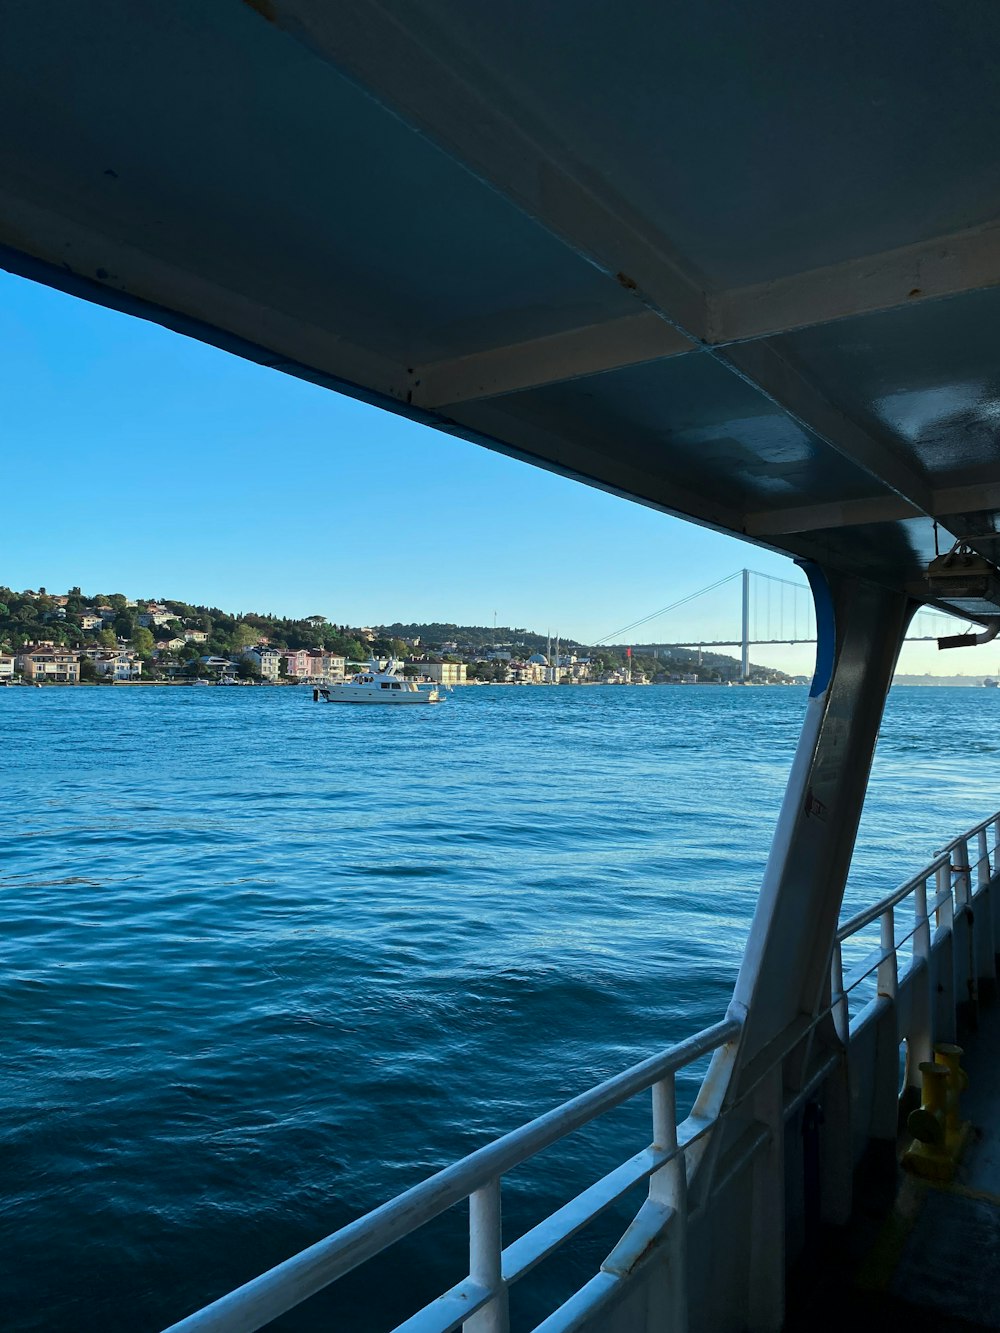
(270, 963)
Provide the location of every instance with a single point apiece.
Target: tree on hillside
(244, 636)
(106, 638)
(143, 642)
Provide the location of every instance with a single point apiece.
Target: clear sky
(142, 462)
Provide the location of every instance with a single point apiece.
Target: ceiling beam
(407, 59)
(966, 261)
(121, 275)
(493, 423)
(834, 514)
(946, 503)
(783, 384)
(591, 350)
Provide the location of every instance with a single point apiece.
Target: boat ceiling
(740, 262)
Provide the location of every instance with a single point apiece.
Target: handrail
(868, 915)
(871, 914)
(266, 1297)
(478, 1176)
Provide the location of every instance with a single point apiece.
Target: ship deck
(917, 1254)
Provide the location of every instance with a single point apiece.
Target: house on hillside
(119, 664)
(48, 663)
(296, 662)
(266, 660)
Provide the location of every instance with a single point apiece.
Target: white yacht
(377, 685)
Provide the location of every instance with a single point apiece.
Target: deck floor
(917, 1255)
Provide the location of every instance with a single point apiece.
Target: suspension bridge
(771, 610)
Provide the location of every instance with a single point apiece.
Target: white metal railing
(914, 999)
(937, 895)
(479, 1301)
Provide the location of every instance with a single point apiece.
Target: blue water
(269, 963)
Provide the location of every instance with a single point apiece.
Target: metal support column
(745, 637)
(785, 976)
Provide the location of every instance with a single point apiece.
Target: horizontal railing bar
(812, 1083)
(523, 1254)
(756, 1137)
(865, 968)
(871, 914)
(530, 1249)
(585, 1303)
(971, 833)
(449, 1310)
(871, 960)
(266, 1297)
(939, 901)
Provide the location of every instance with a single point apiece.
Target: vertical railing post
(986, 957)
(485, 1249)
(920, 1038)
(943, 956)
(983, 872)
(964, 929)
(888, 972)
(837, 1159)
(885, 1096)
(669, 1186)
(841, 1012)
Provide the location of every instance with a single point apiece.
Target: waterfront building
(217, 664)
(443, 673)
(46, 662)
(6, 666)
(321, 666)
(265, 660)
(118, 664)
(296, 662)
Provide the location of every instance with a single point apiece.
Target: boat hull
(375, 701)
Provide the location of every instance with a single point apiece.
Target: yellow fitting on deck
(939, 1134)
(956, 1130)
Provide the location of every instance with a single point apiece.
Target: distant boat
(376, 685)
(991, 683)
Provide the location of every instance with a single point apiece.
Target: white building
(266, 660)
(6, 666)
(443, 673)
(119, 664)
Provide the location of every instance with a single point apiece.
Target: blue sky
(142, 462)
